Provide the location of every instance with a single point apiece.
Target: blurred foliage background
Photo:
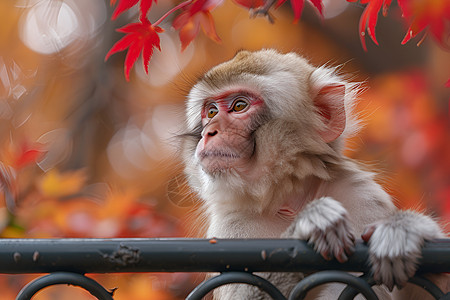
(83, 153)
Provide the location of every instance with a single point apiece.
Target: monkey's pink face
(228, 122)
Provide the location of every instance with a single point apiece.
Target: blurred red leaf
(297, 7)
(27, 155)
(196, 15)
(433, 15)
(448, 83)
(124, 5)
(140, 37)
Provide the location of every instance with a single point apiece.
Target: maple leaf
(144, 7)
(369, 18)
(297, 7)
(433, 15)
(196, 15)
(140, 37)
(124, 5)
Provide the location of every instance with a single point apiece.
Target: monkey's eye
(212, 111)
(239, 105)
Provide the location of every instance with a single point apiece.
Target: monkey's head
(263, 119)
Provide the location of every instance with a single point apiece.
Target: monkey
(263, 150)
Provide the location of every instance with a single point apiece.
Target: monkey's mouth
(218, 161)
(218, 154)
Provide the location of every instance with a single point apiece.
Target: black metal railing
(68, 260)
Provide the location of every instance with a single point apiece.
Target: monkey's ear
(330, 106)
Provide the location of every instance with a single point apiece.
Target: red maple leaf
(196, 15)
(433, 15)
(124, 5)
(369, 18)
(297, 7)
(141, 37)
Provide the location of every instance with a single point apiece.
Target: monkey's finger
(321, 246)
(349, 250)
(349, 239)
(367, 234)
(325, 254)
(346, 235)
(337, 246)
(340, 256)
(403, 271)
(383, 273)
(351, 236)
(349, 244)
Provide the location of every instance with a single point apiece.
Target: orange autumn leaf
(196, 15)
(56, 184)
(118, 203)
(430, 15)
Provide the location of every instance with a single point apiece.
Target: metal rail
(67, 260)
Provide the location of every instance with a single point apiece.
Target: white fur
(400, 236)
(321, 215)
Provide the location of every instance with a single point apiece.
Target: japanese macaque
(263, 150)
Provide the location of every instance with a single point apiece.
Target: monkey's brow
(230, 95)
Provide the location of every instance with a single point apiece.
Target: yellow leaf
(56, 184)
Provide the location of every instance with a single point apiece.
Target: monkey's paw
(395, 246)
(324, 224)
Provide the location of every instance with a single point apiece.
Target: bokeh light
(48, 26)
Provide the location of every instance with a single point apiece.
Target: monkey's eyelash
(210, 110)
(242, 101)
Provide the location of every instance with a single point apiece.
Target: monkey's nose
(212, 133)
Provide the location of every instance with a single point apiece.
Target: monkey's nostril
(213, 133)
